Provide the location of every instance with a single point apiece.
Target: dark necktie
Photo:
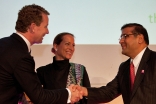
(132, 75)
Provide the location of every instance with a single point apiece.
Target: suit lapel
(142, 67)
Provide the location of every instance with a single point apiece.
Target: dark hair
(59, 37)
(138, 29)
(29, 14)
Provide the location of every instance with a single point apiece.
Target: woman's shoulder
(44, 68)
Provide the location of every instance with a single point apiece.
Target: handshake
(77, 92)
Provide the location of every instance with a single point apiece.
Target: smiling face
(129, 44)
(133, 39)
(66, 48)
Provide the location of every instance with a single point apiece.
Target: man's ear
(141, 38)
(32, 27)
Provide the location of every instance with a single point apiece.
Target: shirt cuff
(69, 95)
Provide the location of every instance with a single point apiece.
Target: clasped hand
(77, 92)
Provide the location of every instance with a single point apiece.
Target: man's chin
(38, 42)
(123, 52)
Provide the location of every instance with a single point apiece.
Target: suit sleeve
(28, 80)
(105, 93)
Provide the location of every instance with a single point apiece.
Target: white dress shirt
(137, 59)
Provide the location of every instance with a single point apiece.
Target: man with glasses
(136, 78)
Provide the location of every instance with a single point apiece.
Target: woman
(61, 73)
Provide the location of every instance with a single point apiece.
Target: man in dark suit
(17, 74)
(139, 88)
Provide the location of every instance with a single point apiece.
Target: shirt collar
(137, 59)
(26, 40)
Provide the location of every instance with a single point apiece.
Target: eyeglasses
(124, 36)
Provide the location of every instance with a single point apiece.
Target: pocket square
(142, 71)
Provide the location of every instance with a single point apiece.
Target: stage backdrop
(96, 25)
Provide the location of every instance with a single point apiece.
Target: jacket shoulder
(44, 68)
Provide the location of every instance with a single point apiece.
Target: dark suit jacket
(17, 74)
(144, 90)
